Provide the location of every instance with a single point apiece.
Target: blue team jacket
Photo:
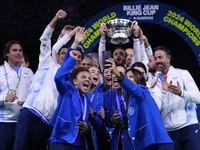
(68, 111)
(104, 129)
(97, 121)
(98, 125)
(145, 125)
(118, 129)
(96, 106)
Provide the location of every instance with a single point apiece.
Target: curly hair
(74, 73)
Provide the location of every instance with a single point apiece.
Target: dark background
(25, 20)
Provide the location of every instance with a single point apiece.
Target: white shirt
(9, 111)
(180, 111)
(42, 97)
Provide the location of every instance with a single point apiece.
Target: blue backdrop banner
(146, 12)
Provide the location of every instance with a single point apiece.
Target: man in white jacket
(32, 130)
(179, 108)
(15, 81)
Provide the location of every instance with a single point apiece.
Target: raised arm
(45, 46)
(143, 56)
(65, 36)
(102, 45)
(148, 48)
(69, 63)
(80, 36)
(135, 29)
(134, 90)
(62, 72)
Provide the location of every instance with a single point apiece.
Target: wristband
(102, 42)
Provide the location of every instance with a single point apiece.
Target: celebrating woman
(146, 130)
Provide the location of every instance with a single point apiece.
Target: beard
(164, 66)
(118, 63)
(152, 70)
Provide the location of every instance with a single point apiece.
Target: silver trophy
(119, 30)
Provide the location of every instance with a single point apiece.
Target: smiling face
(119, 56)
(86, 63)
(107, 79)
(123, 71)
(15, 55)
(78, 59)
(95, 75)
(61, 55)
(83, 82)
(129, 52)
(162, 60)
(152, 64)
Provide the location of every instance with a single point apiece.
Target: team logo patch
(131, 110)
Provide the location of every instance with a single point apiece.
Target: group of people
(134, 100)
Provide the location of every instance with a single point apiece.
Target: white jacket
(180, 111)
(42, 96)
(56, 47)
(9, 111)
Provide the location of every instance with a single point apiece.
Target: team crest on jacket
(130, 110)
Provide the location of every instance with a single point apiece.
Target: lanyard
(83, 106)
(119, 107)
(92, 98)
(122, 96)
(118, 103)
(7, 77)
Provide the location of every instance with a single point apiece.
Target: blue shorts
(187, 138)
(31, 132)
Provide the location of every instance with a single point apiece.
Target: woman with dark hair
(138, 76)
(156, 93)
(146, 130)
(141, 67)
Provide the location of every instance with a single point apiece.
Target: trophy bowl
(119, 30)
